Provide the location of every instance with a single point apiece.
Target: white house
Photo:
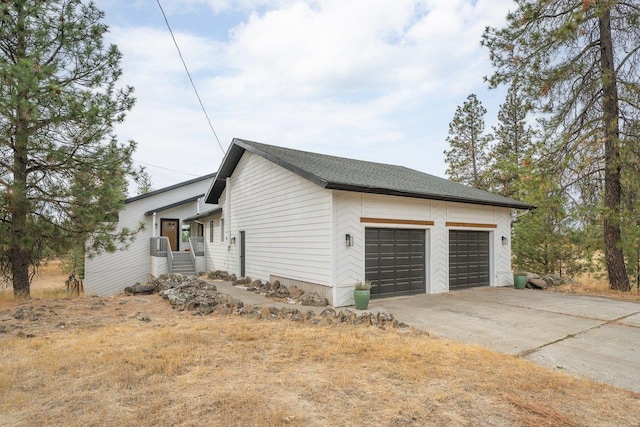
(170, 238)
(323, 223)
(319, 222)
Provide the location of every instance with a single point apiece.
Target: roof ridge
(343, 173)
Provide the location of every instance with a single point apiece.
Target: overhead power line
(189, 75)
(167, 169)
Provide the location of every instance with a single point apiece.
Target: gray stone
(294, 292)
(364, 319)
(328, 312)
(384, 317)
(313, 300)
(347, 316)
(553, 280)
(537, 283)
(281, 292)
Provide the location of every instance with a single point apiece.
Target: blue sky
(376, 80)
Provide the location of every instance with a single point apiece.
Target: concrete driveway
(593, 337)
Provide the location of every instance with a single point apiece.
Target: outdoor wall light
(505, 241)
(233, 240)
(348, 239)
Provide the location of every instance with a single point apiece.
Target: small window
(186, 232)
(222, 230)
(211, 224)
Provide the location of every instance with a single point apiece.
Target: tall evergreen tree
(546, 240)
(62, 172)
(579, 61)
(631, 200)
(513, 145)
(467, 157)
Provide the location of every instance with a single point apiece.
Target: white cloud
(369, 79)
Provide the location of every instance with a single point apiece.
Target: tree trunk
(618, 278)
(18, 205)
(18, 202)
(20, 272)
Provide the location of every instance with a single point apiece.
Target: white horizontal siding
(159, 266)
(464, 212)
(215, 252)
(109, 273)
(395, 207)
(286, 220)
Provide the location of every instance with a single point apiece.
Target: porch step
(183, 264)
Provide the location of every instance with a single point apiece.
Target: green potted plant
(362, 294)
(519, 280)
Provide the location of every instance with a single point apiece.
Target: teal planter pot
(361, 298)
(520, 281)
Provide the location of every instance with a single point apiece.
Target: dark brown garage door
(395, 261)
(468, 258)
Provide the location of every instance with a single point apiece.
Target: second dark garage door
(395, 261)
(468, 258)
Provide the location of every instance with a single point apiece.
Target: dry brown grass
(134, 361)
(47, 283)
(589, 285)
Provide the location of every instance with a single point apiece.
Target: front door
(169, 228)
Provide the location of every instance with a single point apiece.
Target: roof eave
(391, 192)
(169, 188)
(233, 156)
(173, 205)
(204, 214)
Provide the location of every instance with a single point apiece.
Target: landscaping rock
(202, 297)
(295, 293)
(313, 300)
(139, 289)
(347, 315)
(329, 312)
(188, 292)
(281, 292)
(536, 284)
(552, 280)
(364, 319)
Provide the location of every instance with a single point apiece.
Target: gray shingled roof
(169, 188)
(340, 173)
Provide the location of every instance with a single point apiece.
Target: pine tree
(513, 145)
(578, 61)
(545, 240)
(62, 172)
(145, 185)
(467, 158)
(630, 222)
